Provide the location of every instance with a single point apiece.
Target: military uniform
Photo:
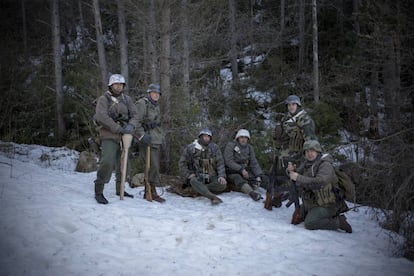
(112, 114)
(237, 158)
(317, 180)
(201, 166)
(296, 129)
(149, 123)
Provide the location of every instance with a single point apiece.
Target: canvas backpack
(345, 184)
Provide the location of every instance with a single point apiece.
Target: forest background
(224, 64)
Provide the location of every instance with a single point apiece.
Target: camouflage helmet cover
(293, 99)
(116, 78)
(312, 145)
(154, 87)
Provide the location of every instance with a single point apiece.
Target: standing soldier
(115, 115)
(243, 170)
(202, 167)
(290, 133)
(151, 134)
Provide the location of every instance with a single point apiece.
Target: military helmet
(293, 99)
(116, 78)
(242, 133)
(312, 145)
(154, 87)
(205, 131)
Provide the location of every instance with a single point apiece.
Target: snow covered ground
(50, 224)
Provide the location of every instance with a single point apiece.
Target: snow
(52, 225)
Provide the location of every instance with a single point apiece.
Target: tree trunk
(355, 16)
(373, 131)
(123, 41)
(99, 41)
(233, 39)
(315, 52)
(301, 35)
(152, 49)
(24, 25)
(282, 20)
(186, 54)
(61, 129)
(165, 72)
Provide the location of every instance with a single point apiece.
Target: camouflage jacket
(238, 157)
(149, 120)
(317, 179)
(112, 113)
(198, 159)
(296, 129)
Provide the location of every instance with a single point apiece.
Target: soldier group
(208, 171)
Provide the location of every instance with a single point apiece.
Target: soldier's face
(292, 107)
(205, 138)
(117, 87)
(311, 154)
(243, 140)
(155, 96)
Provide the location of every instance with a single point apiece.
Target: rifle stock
(147, 194)
(126, 143)
(294, 198)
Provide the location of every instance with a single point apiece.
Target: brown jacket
(317, 179)
(113, 113)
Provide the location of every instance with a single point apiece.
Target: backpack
(345, 184)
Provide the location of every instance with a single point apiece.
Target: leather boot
(344, 225)
(276, 200)
(215, 200)
(101, 199)
(155, 196)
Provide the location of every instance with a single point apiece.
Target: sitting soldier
(243, 170)
(202, 167)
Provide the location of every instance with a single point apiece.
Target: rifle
(148, 195)
(294, 198)
(126, 143)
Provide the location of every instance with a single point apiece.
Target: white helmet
(242, 133)
(205, 131)
(116, 78)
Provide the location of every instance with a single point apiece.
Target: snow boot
(154, 195)
(125, 194)
(344, 225)
(101, 199)
(215, 200)
(255, 195)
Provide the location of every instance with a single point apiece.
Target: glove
(128, 129)
(222, 180)
(277, 132)
(146, 138)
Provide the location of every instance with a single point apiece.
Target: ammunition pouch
(296, 140)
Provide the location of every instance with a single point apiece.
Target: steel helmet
(242, 133)
(154, 87)
(293, 99)
(205, 131)
(312, 145)
(116, 78)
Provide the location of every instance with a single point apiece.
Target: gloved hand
(128, 129)
(146, 138)
(222, 180)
